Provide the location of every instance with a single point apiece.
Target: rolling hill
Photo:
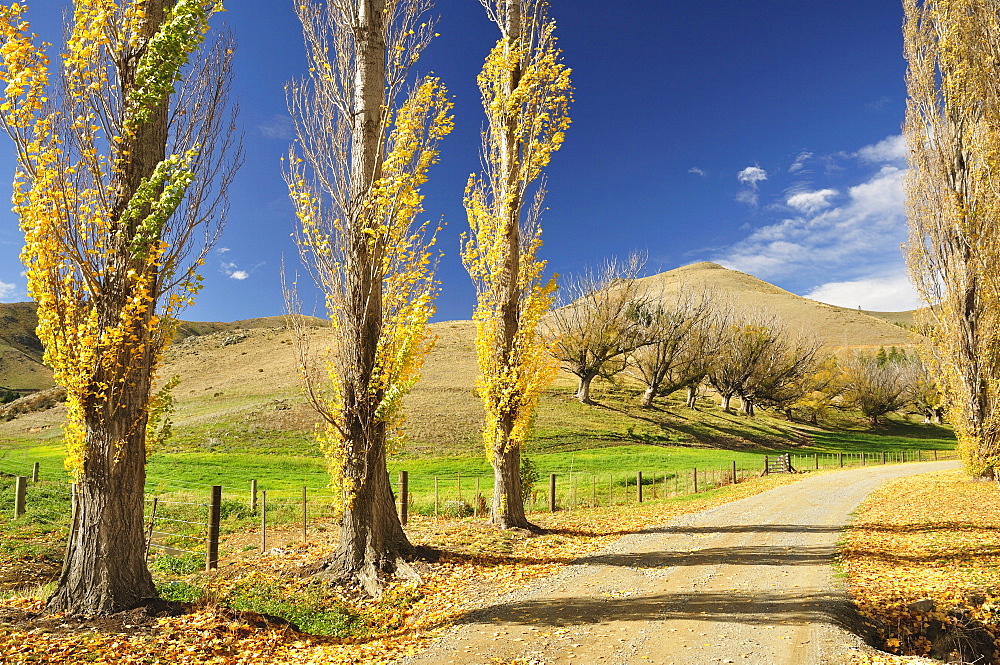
(839, 328)
(240, 386)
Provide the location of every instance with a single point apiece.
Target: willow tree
(602, 320)
(526, 94)
(354, 176)
(953, 204)
(121, 172)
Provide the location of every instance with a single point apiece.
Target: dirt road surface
(748, 582)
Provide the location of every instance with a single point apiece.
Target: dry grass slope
(839, 328)
(240, 380)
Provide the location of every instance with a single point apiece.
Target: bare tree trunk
(647, 397)
(692, 396)
(507, 508)
(105, 570)
(507, 511)
(372, 541)
(726, 399)
(583, 390)
(747, 406)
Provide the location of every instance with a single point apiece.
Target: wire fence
(185, 518)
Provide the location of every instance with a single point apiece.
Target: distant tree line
(610, 325)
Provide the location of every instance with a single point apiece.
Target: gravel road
(747, 582)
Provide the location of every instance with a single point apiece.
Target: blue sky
(760, 134)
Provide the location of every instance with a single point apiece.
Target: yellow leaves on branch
(83, 251)
(526, 95)
(953, 133)
(402, 260)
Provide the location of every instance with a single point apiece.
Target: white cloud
(811, 202)
(277, 127)
(866, 231)
(892, 293)
(799, 162)
(751, 175)
(748, 196)
(695, 170)
(232, 271)
(7, 292)
(890, 150)
(221, 250)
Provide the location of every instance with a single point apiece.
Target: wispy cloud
(800, 162)
(277, 127)
(697, 171)
(8, 292)
(865, 230)
(750, 176)
(890, 150)
(811, 202)
(233, 271)
(889, 293)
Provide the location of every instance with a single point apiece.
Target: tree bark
(372, 542)
(105, 567)
(692, 397)
(726, 399)
(507, 510)
(747, 406)
(647, 397)
(583, 390)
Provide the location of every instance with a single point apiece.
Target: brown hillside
(839, 328)
(240, 381)
(21, 365)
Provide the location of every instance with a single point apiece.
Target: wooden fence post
(734, 472)
(19, 487)
(149, 532)
(214, 516)
(552, 492)
(935, 455)
(263, 521)
(305, 516)
(816, 460)
(883, 457)
(253, 495)
(638, 486)
(694, 475)
(404, 493)
(34, 472)
(840, 459)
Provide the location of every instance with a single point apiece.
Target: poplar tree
(526, 95)
(354, 176)
(953, 203)
(122, 165)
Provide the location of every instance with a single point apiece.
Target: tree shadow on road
(753, 608)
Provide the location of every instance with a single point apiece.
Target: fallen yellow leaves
(478, 564)
(923, 561)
